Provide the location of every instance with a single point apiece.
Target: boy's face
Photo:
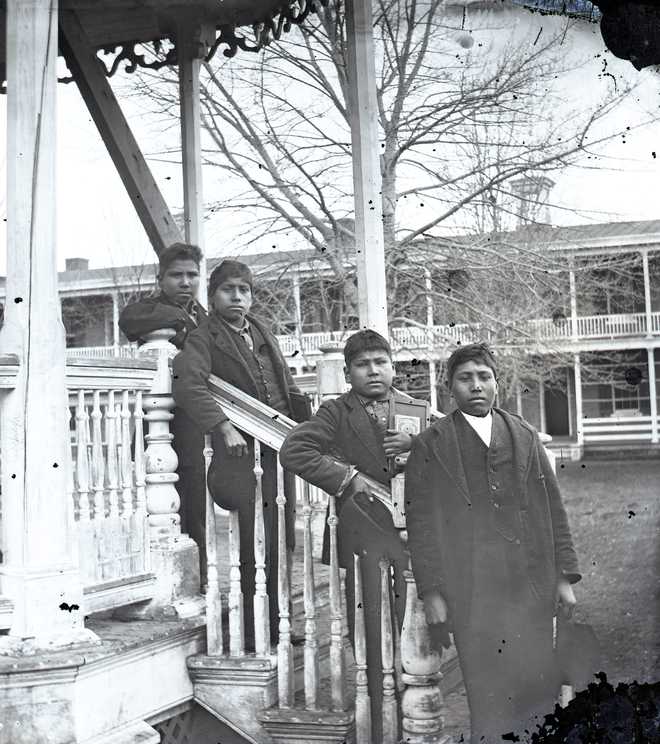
(232, 300)
(474, 388)
(180, 281)
(371, 373)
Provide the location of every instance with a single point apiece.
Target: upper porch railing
(539, 331)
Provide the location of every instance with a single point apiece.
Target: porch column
(369, 241)
(647, 293)
(433, 382)
(295, 282)
(579, 430)
(653, 395)
(191, 50)
(39, 572)
(115, 323)
(542, 417)
(573, 295)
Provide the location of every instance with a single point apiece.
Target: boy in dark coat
(491, 548)
(175, 306)
(236, 347)
(347, 437)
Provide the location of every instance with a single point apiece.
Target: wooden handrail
(268, 425)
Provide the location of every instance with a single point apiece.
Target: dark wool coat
(154, 313)
(318, 450)
(211, 349)
(440, 524)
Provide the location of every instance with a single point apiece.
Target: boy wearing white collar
(491, 548)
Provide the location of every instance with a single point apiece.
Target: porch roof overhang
(239, 24)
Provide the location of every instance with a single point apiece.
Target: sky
(96, 219)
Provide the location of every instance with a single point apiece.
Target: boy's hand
(234, 440)
(396, 442)
(566, 597)
(357, 484)
(435, 608)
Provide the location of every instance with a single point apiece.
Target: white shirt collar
(483, 425)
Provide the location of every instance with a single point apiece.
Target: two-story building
(605, 338)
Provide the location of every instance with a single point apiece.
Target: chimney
(76, 264)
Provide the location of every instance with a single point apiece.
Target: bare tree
(459, 121)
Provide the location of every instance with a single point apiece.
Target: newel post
(174, 556)
(422, 701)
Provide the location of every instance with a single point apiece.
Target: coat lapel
(360, 424)
(523, 448)
(275, 353)
(448, 453)
(223, 340)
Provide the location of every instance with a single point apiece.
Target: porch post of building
(192, 43)
(573, 296)
(295, 286)
(653, 395)
(115, 323)
(579, 427)
(369, 239)
(647, 293)
(39, 571)
(543, 424)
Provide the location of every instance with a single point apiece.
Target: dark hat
(229, 269)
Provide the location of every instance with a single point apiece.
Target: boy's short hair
(178, 252)
(366, 340)
(470, 353)
(229, 269)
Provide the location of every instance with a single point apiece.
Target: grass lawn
(614, 513)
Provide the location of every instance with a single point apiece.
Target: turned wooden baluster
(390, 712)
(140, 481)
(82, 460)
(98, 461)
(213, 602)
(111, 453)
(261, 604)
(421, 703)
(337, 661)
(311, 655)
(362, 699)
(126, 464)
(284, 648)
(236, 620)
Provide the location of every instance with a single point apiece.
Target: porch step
(621, 451)
(135, 733)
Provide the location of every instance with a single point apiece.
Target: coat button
(496, 504)
(493, 487)
(517, 542)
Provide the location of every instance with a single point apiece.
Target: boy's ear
(346, 374)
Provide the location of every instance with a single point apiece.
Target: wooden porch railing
(408, 662)
(108, 479)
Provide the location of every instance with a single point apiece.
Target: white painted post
(174, 557)
(115, 323)
(311, 654)
(39, 570)
(362, 698)
(573, 296)
(191, 49)
(543, 424)
(330, 377)
(579, 426)
(390, 713)
(369, 239)
(433, 382)
(653, 399)
(647, 293)
(261, 598)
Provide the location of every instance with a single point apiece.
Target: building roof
(574, 238)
